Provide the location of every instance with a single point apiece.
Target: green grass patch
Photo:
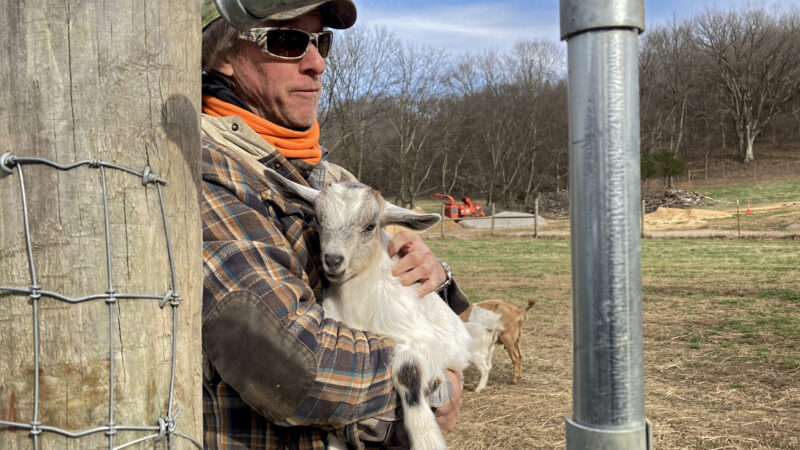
(509, 269)
(783, 294)
(791, 361)
(755, 193)
(732, 299)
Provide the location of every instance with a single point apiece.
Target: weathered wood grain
(119, 81)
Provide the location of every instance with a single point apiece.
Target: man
(277, 373)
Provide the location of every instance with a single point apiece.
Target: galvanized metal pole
(608, 368)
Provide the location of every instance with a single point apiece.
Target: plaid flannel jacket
(276, 373)
(261, 254)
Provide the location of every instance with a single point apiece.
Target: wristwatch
(448, 276)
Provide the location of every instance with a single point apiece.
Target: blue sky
(476, 25)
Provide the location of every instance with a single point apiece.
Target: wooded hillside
(412, 120)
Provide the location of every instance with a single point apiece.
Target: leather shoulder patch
(270, 368)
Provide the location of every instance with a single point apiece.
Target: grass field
(756, 193)
(721, 336)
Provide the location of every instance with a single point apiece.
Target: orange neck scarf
(292, 144)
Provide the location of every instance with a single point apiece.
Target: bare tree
(358, 76)
(756, 59)
(483, 83)
(536, 70)
(415, 103)
(454, 142)
(667, 80)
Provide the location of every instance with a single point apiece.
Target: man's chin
(301, 125)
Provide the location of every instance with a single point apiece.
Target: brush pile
(676, 198)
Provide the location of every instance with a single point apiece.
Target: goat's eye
(370, 228)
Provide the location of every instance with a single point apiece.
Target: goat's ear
(395, 215)
(290, 189)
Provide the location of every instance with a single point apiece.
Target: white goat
(363, 294)
(483, 326)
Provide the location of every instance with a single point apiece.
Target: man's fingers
(401, 239)
(417, 264)
(447, 416)
(445, 410)
(407, 262)
(415, 275)
(426, 287)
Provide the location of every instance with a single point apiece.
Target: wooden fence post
(105, 84)
(444, 219)
(492, 232)
(738, 223)
(536, 217)
(643, 212)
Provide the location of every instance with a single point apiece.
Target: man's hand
(416, 264)
(447, 415)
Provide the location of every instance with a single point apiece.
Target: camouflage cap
(339, 14)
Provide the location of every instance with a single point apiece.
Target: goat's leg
(517, 359)
(490, 357)
(420, 422)
(509, 346)
(484, 369)
(484, 364)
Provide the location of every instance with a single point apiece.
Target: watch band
(448, 276)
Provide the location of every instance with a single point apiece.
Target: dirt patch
(777, 219)
(531, 413)
(671, 218)
(696, 398)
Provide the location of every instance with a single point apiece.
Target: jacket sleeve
(263, 330)
(455, 298)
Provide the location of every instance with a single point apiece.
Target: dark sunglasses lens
(324, 43)
(287, 43)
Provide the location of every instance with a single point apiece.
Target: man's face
(285, 92)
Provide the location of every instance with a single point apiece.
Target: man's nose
(312, 61)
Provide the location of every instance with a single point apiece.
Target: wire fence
(735, 220)
(490, 224)
(161, 427)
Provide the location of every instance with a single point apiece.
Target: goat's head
(350, 217)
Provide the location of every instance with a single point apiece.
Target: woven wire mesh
(162, 427)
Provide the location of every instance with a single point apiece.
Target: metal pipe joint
(578, 16)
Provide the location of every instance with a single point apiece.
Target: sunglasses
(288, 43)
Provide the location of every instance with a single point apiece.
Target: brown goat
(511, 335)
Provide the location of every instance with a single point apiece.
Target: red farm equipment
(466, 209)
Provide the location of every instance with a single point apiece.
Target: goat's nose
(333, 261)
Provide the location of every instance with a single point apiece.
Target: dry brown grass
(721, 330)
(531, 413)
(721, 350)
